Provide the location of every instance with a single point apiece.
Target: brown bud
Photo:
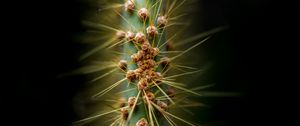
(162, 105)
(155, 51)
(165, 61)
(125, 113)
(142, 84)
(143, 14)
(152, 31)
(140, 38)
(170, 46)
(151, 63)
(122, 64)
(120, 35)
(158, 77)
(161, 21)
(135, 57)
(170, 92)
(149, 79)
(130, 36)
(146, 46)
(122, 102)
(131, 101)
(140, 63)
(150, 96)
(141, 54)
(130, 75)
(129, 6)
(142, 122)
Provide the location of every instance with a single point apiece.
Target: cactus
(135, 76)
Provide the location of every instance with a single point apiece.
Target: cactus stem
(142, 91)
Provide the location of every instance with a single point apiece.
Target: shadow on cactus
(141, 65)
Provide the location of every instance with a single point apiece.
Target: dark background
(40, 46)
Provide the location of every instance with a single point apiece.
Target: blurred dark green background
(41, 46)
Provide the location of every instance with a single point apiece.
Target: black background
(40, 46)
